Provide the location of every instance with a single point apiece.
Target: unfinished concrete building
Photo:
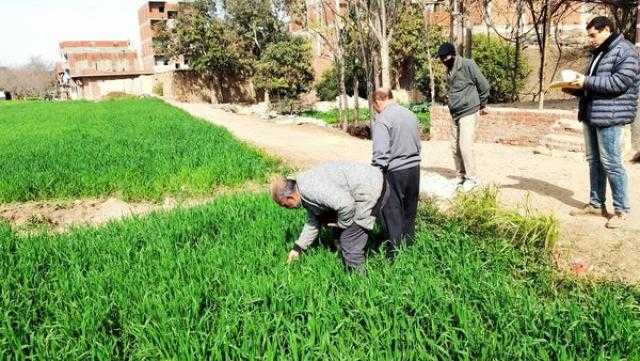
(151, 14)
(93, 69)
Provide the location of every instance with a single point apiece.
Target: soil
(552, 184)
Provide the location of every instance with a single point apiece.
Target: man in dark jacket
(608, 101)
(396, 151)
(468, 96)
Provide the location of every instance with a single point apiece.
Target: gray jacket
(349, 189)
(468, 88)
(396, 139)
(610, 96)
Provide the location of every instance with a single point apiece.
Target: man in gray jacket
(468, 96)
(396, 151)
(608, 101)
(347, 195)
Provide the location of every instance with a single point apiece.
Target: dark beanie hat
(446, 49)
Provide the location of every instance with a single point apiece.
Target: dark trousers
(398, 215)
(353, 241)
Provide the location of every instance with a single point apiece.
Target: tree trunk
(432, 83)
(468, 43)
(543, 53)
(267, 101)
(376, 70)
(356, 99)
(213, 92)
(343, 97)
(385, 63)
(516, 65)
(455, 36)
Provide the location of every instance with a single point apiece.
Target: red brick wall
(503, 125)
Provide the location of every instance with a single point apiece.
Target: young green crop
(212, 283)
(131, 148)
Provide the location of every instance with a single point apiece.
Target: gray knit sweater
(396, 139)
(350, 190)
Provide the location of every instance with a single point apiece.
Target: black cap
(446, 49)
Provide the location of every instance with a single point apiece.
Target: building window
(160, 60)
(161, 9)
(172, 14)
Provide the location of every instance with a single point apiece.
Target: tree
(258, 22)
(209, 44)
(414, 48)
(541, 13)
(329, 24)
(33, 80)
(285, 68)
(382, 18)
(516, 35)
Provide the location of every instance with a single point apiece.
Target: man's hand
(484, 111)
(579, 82)
(293, 256)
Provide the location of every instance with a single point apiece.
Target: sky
(36, 27)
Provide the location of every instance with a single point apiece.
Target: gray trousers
(462, 136)
(353, 241)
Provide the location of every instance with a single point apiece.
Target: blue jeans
(604, 154)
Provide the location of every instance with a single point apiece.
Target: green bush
(327, 87)
(495, 57)
(284, 68)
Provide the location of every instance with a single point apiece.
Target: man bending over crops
(346, 194)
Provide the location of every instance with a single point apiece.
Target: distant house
(92, 69)
(4, 95)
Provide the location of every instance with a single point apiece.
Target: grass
(331, 117)
(211, 283)
(481, 213)
(136, 149)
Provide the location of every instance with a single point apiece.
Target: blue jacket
(610, 95)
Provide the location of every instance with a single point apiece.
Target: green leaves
(285, 68)
(496, 58)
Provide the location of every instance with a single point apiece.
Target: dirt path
(555, 184)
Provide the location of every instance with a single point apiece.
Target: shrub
(327, 87)
(495, 57)
(481, 213)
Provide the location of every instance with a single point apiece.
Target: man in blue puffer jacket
(608, 101)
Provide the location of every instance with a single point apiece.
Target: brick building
(150, 14)
(92, 69)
